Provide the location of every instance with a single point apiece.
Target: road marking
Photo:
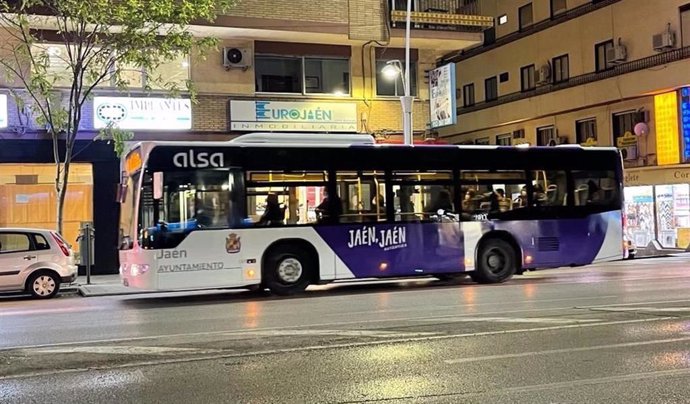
(644, 309)
(634, 303)
(329, 324)
(494, 391)
(119, 350)
(349, 345)
(537, 320)
(339, 333)
(564, 350)
(29, 312)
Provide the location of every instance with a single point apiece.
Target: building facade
(607, 73)
(280, 66)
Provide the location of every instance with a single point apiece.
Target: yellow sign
(627, 140)
(590, 142)
(683, 240)
(667, 135)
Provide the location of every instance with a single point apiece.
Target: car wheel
(496, 262)
(43, 284)
(289, 269)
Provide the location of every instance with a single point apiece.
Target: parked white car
(35, 261)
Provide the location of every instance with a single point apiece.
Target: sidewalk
(102, 285)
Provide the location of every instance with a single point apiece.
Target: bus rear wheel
(496, 262)
(288, 270)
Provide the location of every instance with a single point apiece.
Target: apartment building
(606, 73)
(299, 65)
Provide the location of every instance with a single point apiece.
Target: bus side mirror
(158, 185)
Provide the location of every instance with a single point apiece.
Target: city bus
(284, 211)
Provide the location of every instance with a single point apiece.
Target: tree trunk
(62, 190)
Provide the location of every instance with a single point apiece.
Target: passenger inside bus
(325, 212)
(274, 214)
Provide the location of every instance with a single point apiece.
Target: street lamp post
(393, 69)
(407, 99)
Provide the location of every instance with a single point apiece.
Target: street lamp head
(392, 69)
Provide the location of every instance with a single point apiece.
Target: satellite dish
(641, 128)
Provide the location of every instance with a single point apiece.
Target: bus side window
(363, 196)
(595, 187)
(550, 188)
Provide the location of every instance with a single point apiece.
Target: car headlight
(138, 269)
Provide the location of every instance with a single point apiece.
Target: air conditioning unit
(237, 58)
(543, 75)
(617, 54)
(664, 41)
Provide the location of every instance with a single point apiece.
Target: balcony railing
(617, 70)
(446, 15)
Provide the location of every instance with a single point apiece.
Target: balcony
(441, 15)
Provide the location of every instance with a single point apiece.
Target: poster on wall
(442, 98)
(3, 110)
(143, 113)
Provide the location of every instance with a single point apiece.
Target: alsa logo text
(198, 160)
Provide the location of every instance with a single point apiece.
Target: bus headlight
(138, 269)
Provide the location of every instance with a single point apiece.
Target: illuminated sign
(144, 113)
(627, 140)
(288, 116)
(685, 121)
(3, 110)
(442, 96)
(666, 119)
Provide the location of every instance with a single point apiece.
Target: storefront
(657, 205)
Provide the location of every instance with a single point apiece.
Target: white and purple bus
(286, 211)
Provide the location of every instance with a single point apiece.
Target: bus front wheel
(288, 270)
(496, 262)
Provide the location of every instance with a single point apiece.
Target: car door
(15, 256)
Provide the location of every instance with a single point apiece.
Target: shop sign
(293, 116)
(591, 142)
(3, 110)
(142, 113)
(442, 96)
(627, 140)
(666, 121)
(685, 121)
(680, 175)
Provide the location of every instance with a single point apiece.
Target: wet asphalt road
(617, 333)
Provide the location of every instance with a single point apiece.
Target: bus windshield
(190, 200)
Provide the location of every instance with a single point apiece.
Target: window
(490, 89)
(419, 195)
(527, 78)
(504, 77)
(550, 188)
(40, 242)
(595, 188)
(302, 75)
(504, 140)
(586, 129)
(625, 122)
(600, 51)
(525, 16)
(363, 196)
(519, 134)
(492, 192)
(502, 19)
(685, 25)
(558, 7)
(14, 242)
(386, 86)
(294, 198)
(560, 69)
(175, 71)
(545, 135)
(482, 141)
(468, 95)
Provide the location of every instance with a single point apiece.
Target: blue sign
(685, 121)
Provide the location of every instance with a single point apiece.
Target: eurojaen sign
(293, 116)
